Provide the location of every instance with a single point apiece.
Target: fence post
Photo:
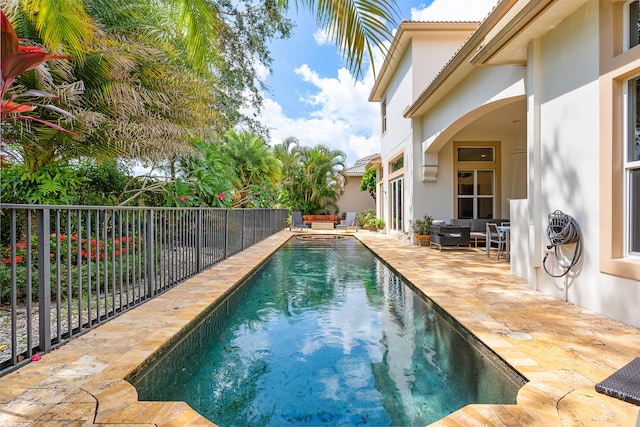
(255, 226)
(199, 227)
(244, 220)
(226, 233)
(150, 244)
(44, 279)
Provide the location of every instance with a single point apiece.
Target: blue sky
(314, 98)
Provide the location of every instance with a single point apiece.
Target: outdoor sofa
(309, 219)
(477, 227)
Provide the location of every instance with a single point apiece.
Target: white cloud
(336, 133)
(342, 118)
(321, 37)
(262, 71)
(454, 10)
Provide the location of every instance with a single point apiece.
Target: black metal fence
(67, 269)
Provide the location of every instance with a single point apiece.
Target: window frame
(394, 176)
(396, 204)
(630, 100)
(476, 196)
(478, 166)
(383, 115)
(616, 68)
(626, 26)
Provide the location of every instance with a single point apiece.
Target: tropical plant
(254, 164)
(312, 177)
(376, 224)
(203, 179)
(365, 216)
(354, 26)
(105, 184)
(50, 184)
(156, 74)
(16, 105)
(263, 197)
(111, 253)
(422, 226)
(368, 182)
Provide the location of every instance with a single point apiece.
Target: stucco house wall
(419, 54)
(545, 80)
(568, 61)
(354, 200)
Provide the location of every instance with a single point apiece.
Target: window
(384, 115)
(475, 154)
(619, 124)
(475, 194)
(396, 193)
(632, 24)
(396, 208)
(477, 173)
(632, 167)
(397, 164)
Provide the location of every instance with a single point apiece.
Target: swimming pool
(326, 334)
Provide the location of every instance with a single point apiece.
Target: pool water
(326, 334)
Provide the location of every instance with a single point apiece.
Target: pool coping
(83, 382)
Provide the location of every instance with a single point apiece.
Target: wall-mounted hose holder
(563, 230)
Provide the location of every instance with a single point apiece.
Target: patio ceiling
(507, 116)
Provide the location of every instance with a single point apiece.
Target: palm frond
(355, 26)
(62, 23)
(200, 20)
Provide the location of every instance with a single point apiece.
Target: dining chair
(495, 236)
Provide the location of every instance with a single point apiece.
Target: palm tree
(323, 169)
(254, 164)
(313, 179)
(143, 96)
(354, 26)
(136, 95)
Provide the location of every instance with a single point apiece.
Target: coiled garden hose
(563, 230)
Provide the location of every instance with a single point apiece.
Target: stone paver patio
(572, 349)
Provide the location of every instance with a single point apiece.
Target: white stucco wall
(398, 95)
(429, 56)
(421, 62)
(485, 86)
(434, 198)
(568, 175)
(399, 130)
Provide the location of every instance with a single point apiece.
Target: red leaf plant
(17, 59)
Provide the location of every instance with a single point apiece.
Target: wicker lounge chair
(623, 384)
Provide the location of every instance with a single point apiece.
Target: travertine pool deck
(572, 349)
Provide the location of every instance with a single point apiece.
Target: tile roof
(359, 166)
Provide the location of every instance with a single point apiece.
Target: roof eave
(459, 66)
(501, 39)
(401, 41)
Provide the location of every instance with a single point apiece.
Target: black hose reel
(563, 230)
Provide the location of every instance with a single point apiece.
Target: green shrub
(364, 217)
